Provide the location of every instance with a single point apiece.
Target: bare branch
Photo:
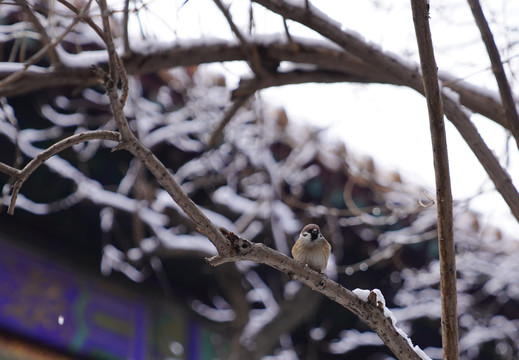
(126, 17)
(54, 59)
(86, 19)
(109, 41)
(130, 143)
(233, 109)
(249, 51)
(497, 67)
(36, 57)
(443, 186)
(371, 314)
(356, 46)
(406, 75)
(110, 79)
(486, 157)
(9, 170)
(342, 67)
(249, 86)
(22, 175)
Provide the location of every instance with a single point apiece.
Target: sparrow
(312, 248)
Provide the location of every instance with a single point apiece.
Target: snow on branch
(370, 310)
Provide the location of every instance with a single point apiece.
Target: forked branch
(369, 312)
(497, 68)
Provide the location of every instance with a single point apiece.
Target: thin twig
(218, 132)
(109, 41)
(497, 67)
(289, 37)
(110, 79)
(36, 57)
(371, 314)
(22, 175)
(126, 17)
(54, 59)
(449, 319)
(86, 19)
(403, 74)
(130, 143)
(249, 51)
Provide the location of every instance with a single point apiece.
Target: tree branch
(497, 67)
(9, 170)
(325, 57)
(86, 19)
(130, 143)
(22, 175)
(36, 57)
(486, 157)
(233, 109)
(405, 74)
(447, 251)
(126, 18)
(342, 66)
(371, 314)
(53, 56)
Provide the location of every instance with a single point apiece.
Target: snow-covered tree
(100, 116)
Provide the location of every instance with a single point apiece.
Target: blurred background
(98, 262)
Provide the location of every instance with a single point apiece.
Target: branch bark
(449, 319)
(53, 56)
(22, 175)
(230, 247)
(371, 314)
(497, 68)
(47, 47)
(395, 68)
(130, 143)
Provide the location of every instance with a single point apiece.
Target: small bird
(312, 248)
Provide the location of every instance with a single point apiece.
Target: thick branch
(397, 69)
(325, 57)
(229, 114)
(371, 314)
(351, 43)
(338, 65)
(9, 170)
(486, 157)
(449, 319)
(11, 78)
(497, 67)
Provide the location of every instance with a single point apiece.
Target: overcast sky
(387, 123)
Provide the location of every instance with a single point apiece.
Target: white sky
(385, 122)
